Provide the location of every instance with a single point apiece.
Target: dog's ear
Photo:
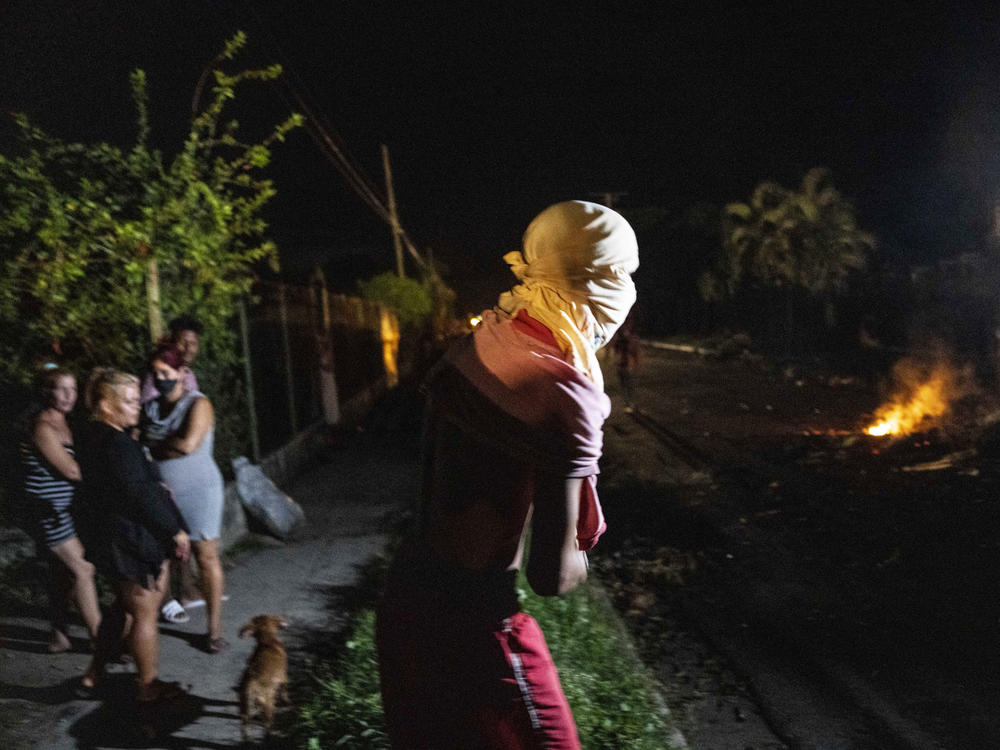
(248, 629)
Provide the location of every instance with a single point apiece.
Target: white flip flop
(195, 603)
(174, 613)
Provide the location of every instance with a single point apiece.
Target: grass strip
(614, 699)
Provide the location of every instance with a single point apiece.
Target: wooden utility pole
(248, 375)
(397, 231)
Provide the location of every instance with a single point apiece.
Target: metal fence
(314, 356)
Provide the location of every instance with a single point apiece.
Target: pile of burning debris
(935, 417)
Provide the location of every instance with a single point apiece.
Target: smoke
(935, 365)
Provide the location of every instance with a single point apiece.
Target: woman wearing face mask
(178, 426)
(512, 436)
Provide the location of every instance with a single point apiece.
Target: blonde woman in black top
(134, 528)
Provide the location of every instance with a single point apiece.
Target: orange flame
(928, 402)
(921, 401)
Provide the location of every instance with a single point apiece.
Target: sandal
(215, 645)
(174, 613)
(158, 690)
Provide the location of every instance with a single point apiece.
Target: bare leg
(70, 554)
(207, 552)
(109, 636)
(126, 627)
(60, 584)
(144, 638)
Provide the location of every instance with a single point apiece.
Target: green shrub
(345, 708)
(411, 299)
(100, 244)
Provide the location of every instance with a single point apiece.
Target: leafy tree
(807, 238)
(799, 243)
(412, 300)
(100, 244)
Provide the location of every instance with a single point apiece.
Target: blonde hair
(105, 383)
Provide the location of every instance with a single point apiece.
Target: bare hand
(182, 542)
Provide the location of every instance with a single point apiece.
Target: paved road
(816, 559)
(351, 501)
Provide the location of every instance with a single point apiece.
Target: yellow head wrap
(575, 278)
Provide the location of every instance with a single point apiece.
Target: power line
(356, 178)
(327, 147)
(332, 146)
(339, 159)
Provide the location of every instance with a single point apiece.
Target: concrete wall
(289, 461)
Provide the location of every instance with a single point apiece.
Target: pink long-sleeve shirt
(518, 367)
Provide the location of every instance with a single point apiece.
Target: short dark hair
(185, 323)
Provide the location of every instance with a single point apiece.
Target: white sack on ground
(264, 502)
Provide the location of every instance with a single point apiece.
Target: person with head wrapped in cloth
(512, 437)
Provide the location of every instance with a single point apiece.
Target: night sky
(490, 115)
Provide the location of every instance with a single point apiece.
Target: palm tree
(806, 240)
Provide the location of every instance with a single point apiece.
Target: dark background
(492, 114)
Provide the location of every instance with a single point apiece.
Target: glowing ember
(919, 405)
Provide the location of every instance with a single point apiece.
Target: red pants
(456, 677)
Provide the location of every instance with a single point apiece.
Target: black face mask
(165, 387)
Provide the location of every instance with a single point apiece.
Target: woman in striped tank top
(50, 473)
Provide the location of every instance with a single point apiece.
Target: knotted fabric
(575, 278)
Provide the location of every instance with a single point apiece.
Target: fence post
(322, 331)
(248, 374)
(289, 375)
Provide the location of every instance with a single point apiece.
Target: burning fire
(923, 398)
(903, 417)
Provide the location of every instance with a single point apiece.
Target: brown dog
(266, 676)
